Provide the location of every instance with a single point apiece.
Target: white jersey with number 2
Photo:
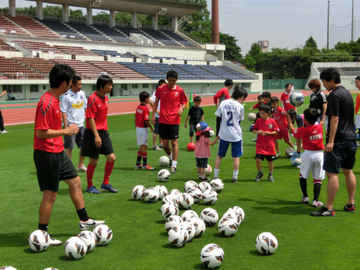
(231, 112)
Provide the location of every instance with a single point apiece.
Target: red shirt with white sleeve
(97, 109)
(280, 118)
(265, 145)
(311, 136)
(142, 115)
(285, 99)
(222, 94)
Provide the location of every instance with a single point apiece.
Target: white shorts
(141, 136)
(312, 161)
(357, 121)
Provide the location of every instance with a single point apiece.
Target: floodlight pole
(215, 22)
(352, 22)
(328, 26)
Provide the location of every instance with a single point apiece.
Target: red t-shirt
(222, 95)
(48, 116)
(311, 136)
(265, 145)
(97, 108)
(142, 115)
(256, 106)
(280, 118)
(171, 99)
(285, 99)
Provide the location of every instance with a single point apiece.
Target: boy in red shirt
(96, 137)
(280, 118)
(219, 97)
(266, 128)
(257, 105)
(285, 102)
(312, 159)
(142, 122)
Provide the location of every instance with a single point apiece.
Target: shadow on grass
(287, 167)
(168, 245)
(286, 210)
(200, 266)
(219, 235)
(164, 234)
(66, 258)
(160, 221)
(14, 239)
(255, 253)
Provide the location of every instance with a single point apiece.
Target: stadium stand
(145, 70)
(39, 64)
(351, 71)
(107, 53)
(179, 38)
(183, 75)
(14, 70)
(6, 47)
(38, 46)
(75, 50)
(62, 29)
(199, 72)
(113, 33)
(118, 70)
(89, 31)
(9, 27)
(225, 72)
(85, 69)
(160, 37)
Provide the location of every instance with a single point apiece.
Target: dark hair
(315, 83)
(259, 97)
(287, 85)
(59, 74)
(265, 107)
(357, 78)
(161, 82)
(274, 99)
(76, 79)
(197, 98)
(228, 82)
(311, 115)
(102, 81)
(206, 133)
(292, 113)
(143, 96)
(330, 73)
(238, 93)
(172, 74)
(266, 95)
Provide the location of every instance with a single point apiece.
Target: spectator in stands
(3, 131)
(220, 96)
(73, 108)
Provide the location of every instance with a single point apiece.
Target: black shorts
(267, 157)
(156, 126)
(90, 150)
(168, 132)
(201, 162)
(51, 168)
(342, 156)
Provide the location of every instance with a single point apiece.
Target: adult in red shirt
(219, 97)
(286, 105)
(96, 137)
(52, 163)
(173, 102)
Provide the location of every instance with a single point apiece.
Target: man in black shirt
(340, 146)
(196, 115)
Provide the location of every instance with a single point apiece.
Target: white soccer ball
(212, 245)
(232, 214)
(178, 236)
(203, 186)
(295, 161)
(196, 194)
(210, 216)
(75, 248)
(49, 268)
(208, 170)
(199, 226)
(162, 191)
(189, 185)
(296, 98)
(170, 199)
(217, 185)
(10, 268)
(209, 196)
(251, 117)
(90, 240)
(173, 221)
(289, 151)
(175, 192)
(190, 228)
(39, 240)
(164, 161)
(186, 201)
(164, 175)
(228, 226)
(212, 257)
(189, 214)
(138, 192)
(266, 243)
(103, 234)
(168, 210)
(239, 211)
(212, 133)
(151, 194)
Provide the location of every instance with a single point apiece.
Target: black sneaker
(350, 208)
(323, 212)
(205, 179)
(258, 177)
(271, 178)
(234, 180)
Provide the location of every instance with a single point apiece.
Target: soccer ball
(173, 221)
(208, 170)
(49, 268)
(212, 257)
(189, 185)
(210, 216)
(199, 226)
(190, 146)
(203, 186)
(296, 98)
(189, 214)
(151, 194)
(239, 211)
(11, 268)
(251, 117)
(75, 248)
(138, 192)
(228, 226)
(163, 175)
(289, 151)
(190, 229)
(168, 210)
(162, 191)
(90, 240)
(39, 240)
(210, 196)
(186, 201)
(196, 194)
(175, 192)
(266, 243)
(178, 236)
(212, 133)
(103, 234)
(170, 199)
(295, 161)
(213, 246)
(164, 161)
(217, 185)
(232, 214)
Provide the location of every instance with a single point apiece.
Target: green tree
(77, 13)
(311, 43)
(252, 59)
(102, 15)
(233, 51)
(53, 10)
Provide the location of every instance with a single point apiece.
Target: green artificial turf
(140, 239)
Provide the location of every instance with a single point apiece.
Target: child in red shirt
(286, 105)
(266, 128)
(257, 105)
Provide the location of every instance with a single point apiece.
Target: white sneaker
(4, 132)
(89, 224)
(157, 148)
(54, 242)
(81, 169)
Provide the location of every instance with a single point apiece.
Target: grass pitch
(140, 239)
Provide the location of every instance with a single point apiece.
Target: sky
(284, 23)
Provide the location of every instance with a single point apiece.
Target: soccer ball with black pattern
(228, 226)
(196, 194)
(138, 192)
(90, 240)
(151, 194)
(266, 243)
(210, 216)
(296, 98)
(163, 175)
(103, 234)
(210, 196)
(212, 257)
(162, 191)
(189, 214)
(217, 185)
(189, 185)
(178, 236)
(173, 221)
(186, 201)
(75, 248)
(199, 226)
(39, 241)
(168, 210)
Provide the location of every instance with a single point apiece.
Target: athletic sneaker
(55, 242)
(89, 224)
(258, 177)
(323, 212)
(4, 132)
(173, 169)
(157, 148)
(147, 167)
(316, 203)
(93, 189)
(350, 208)
(161, 146)
(138, 167)
(204, 179)
(81, 168)
(234, 180)
(305, 199)
(109, 188)
(254, 140)
(271, 178)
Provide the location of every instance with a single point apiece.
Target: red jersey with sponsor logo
(280, 118)
(285, 99)
(171, 99)
(222, 95)
(311, 136)
(142, 115)
(265, 145)
(97, 108)
(48, 116)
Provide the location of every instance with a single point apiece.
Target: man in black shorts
(52, 163)
(340, 146)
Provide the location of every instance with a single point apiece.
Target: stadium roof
(174, 8)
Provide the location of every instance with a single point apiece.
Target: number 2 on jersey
(229, 122)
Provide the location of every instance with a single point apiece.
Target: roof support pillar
(134, 20)
(12, 5)
(112, 18)
(175, 24)
(155, 24)
(65, 13)
(89, 16)
(39, 10)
